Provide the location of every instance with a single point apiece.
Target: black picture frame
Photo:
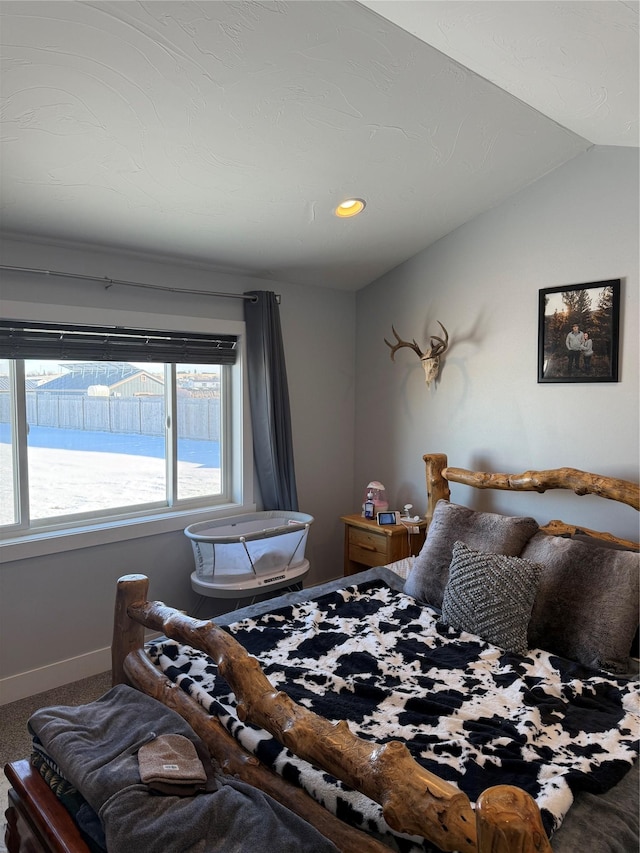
(595, 308)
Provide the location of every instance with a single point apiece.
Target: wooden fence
(198, 418)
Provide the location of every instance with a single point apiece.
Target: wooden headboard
(439, 475)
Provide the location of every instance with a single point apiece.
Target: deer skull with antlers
(430, 359)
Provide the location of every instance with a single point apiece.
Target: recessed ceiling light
(350, 207)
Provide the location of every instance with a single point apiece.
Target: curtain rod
(108, 282)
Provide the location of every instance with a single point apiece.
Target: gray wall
(61, 606)
(578, 224)
(356, 415)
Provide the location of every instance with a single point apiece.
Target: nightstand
(367, 544)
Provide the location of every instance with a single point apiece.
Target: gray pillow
(491, 595)
(484, 531)
(587, 603)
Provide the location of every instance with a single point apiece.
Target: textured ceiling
(226, 133)
(574, 62)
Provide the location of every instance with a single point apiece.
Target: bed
(486, 702)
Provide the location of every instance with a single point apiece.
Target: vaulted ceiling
(225, 133)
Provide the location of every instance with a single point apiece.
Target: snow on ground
(67, 481)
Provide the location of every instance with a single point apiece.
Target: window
(117, 436)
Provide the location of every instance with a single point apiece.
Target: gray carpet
(15, 741)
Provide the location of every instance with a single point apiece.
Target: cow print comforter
(468, 711)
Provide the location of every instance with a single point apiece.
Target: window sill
(33, 544)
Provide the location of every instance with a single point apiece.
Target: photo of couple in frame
(578, 329)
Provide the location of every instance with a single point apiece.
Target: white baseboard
(58, 674)
(33, 681)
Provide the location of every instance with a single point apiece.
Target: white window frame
(26, 544)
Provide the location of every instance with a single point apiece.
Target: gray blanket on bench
(95, 746)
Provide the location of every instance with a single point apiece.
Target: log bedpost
(437, 486)
(508, 821)
(128, 635)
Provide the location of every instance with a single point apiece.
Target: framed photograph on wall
(578, 328)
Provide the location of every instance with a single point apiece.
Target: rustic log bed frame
(414, 801)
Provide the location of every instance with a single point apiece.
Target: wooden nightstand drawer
(368, 547)
(366, 544)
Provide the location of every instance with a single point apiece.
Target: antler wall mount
(430, 359)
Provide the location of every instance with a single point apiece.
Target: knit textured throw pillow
(491, 595)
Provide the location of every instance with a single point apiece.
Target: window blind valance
(23, 339)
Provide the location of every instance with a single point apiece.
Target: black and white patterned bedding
(468, 711)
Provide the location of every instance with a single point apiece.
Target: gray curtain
(269, 398)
